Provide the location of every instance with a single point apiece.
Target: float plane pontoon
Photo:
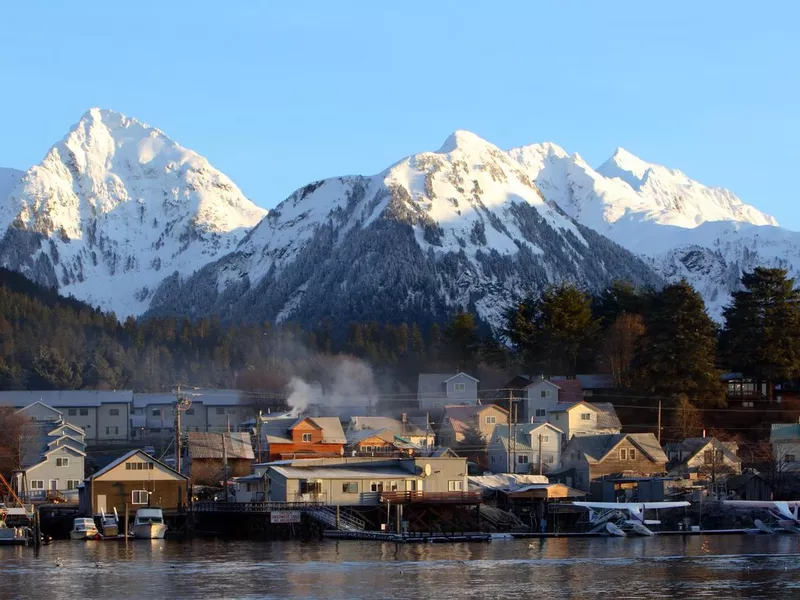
(620, 518)
(783, 515)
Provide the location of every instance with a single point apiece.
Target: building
(542, 396)
(592, 457)
(366, 482)
(749, 486)
(785, 441)
(380, 442)
(304, 437)
(703, 457)
(103, 414)
(54, 453)
(422, 436)
(458, 420)
(207, 457)
(436, 390)
(134, 480)
(585, 418)
(523, 453)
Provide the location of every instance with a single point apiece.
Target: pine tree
(761, 337)
(461, 339)
(678, 351)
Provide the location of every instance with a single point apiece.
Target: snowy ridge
(117, 206)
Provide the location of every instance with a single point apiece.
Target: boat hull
(150, 531)
(84, 535)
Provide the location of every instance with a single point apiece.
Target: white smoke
(347, 382)
(301, 394)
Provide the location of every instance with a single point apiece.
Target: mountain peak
(461, 139)
(626, 166)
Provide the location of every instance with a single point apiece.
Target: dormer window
(459, 387)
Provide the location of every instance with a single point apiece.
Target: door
(101, 503)
(53, 485)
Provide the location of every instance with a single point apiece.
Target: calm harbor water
(747, 566)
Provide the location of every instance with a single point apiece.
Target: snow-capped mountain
(114, 208)
(465, 226)
(9, 178)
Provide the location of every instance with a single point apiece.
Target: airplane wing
(761, 503)
(655, 505)
(630, 505)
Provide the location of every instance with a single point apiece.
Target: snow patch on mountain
(9, 178)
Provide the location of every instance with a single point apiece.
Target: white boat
(109, 524)
(149, 524)
(14, 535)
(84, 528)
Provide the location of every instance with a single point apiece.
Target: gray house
(437, 390)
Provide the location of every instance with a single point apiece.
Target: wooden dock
(408, 538)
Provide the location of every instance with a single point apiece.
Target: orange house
(302, 438)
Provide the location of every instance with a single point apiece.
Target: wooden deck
(252, 507)
(431, 497)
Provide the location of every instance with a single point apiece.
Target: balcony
(431, 497)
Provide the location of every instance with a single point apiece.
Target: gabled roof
(461, 417)
(65, 437)
(460, 374)
(691, 447)
(356, 437)
(65, 447)
(523, 434)
(596, 448)
(394, 425)
(71, 426)
(434, 383)
(39, 403)
(606, 413)
(536, 381)
(129, 455)
(204, 445)
(278, 431)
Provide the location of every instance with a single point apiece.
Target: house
(103, 414)
(705, 457)
(436, 390)
(785, 441)
(369, 481)
(289, 437)
(541, 396)
(207, 457)
(422, 436)
(134, 480)
(585, 418)
(587, 458)
(378, 442)
(523, 450)
(750, 485)
(458, 420)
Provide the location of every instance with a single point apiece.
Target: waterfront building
(209, 455)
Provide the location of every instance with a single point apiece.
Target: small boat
(149, 524)
(14, 535)
(84, 528)
(109, 524)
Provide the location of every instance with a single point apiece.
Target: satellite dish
(427, 470)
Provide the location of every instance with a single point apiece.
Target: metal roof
(597, 447)
(202, 396)
(209, 445)
(394, 425)
(523, 433)
(781, 432)
(66, 398)
(361, 472)
(128, 455)
(277, 431)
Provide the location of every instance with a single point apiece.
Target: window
(139, 496)
(72, 412)
(391, 486)
(455, 485)
(747, 404)
(350, 487)
(540, 412)
(114, 412)
(310, 487)
(546, 393)
(220, 410)
(558, 417)
(522, 459)
(306, 437)
(37, 484)
(549, 459)
(375, 486)
(84, 412)
(491, 420)
(72, 484)
(116, 430)
(586, 416)
(492, 459)
(156, 412)
(139, 466)
(189, 411)
(789, 458)
(459, 387)
(623, 454)
(108, 430)
(62, 462)
(545, 439)
(631, 454)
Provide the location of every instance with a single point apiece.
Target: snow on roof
(204, 396)
(277, 431)
(209, 445)
(65, 398)
(394, 425)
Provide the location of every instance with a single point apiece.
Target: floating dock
(408, 538)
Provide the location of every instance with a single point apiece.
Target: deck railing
(252, 507)
(431, 497)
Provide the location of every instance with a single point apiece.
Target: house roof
(691, 447)
(55, 440)
(433, 383)
(523, 434)
(606, 413)
(356, 437)
(361, 471)
(442, 452)
(597, 447)
(734, 482)
(462, 416)
(394, 425)
(204, 445)
(71, 426)
(66, 398)
(209, 397)
(277, 431)
(596, 381)
(784, 432)
(40, 403)
(129, 455)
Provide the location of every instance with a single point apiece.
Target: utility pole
(225, 463)
(659, 422)
(540, 454)
(514, 437)
(258, 435)
(178, 428)
(510, 413)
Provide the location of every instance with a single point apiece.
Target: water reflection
(682, 567)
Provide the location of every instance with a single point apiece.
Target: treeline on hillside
(658, 344)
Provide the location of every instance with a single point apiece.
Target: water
(725, 566)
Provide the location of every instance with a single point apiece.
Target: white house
(436, 390)
(523, 449)
(584, 418)
(785, 441)
(542, 396)
(703, 456)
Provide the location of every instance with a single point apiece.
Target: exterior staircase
(327, 516)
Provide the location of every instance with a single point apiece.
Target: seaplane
(621, 518)
(783, 514)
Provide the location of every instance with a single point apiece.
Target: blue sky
(279, 94)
